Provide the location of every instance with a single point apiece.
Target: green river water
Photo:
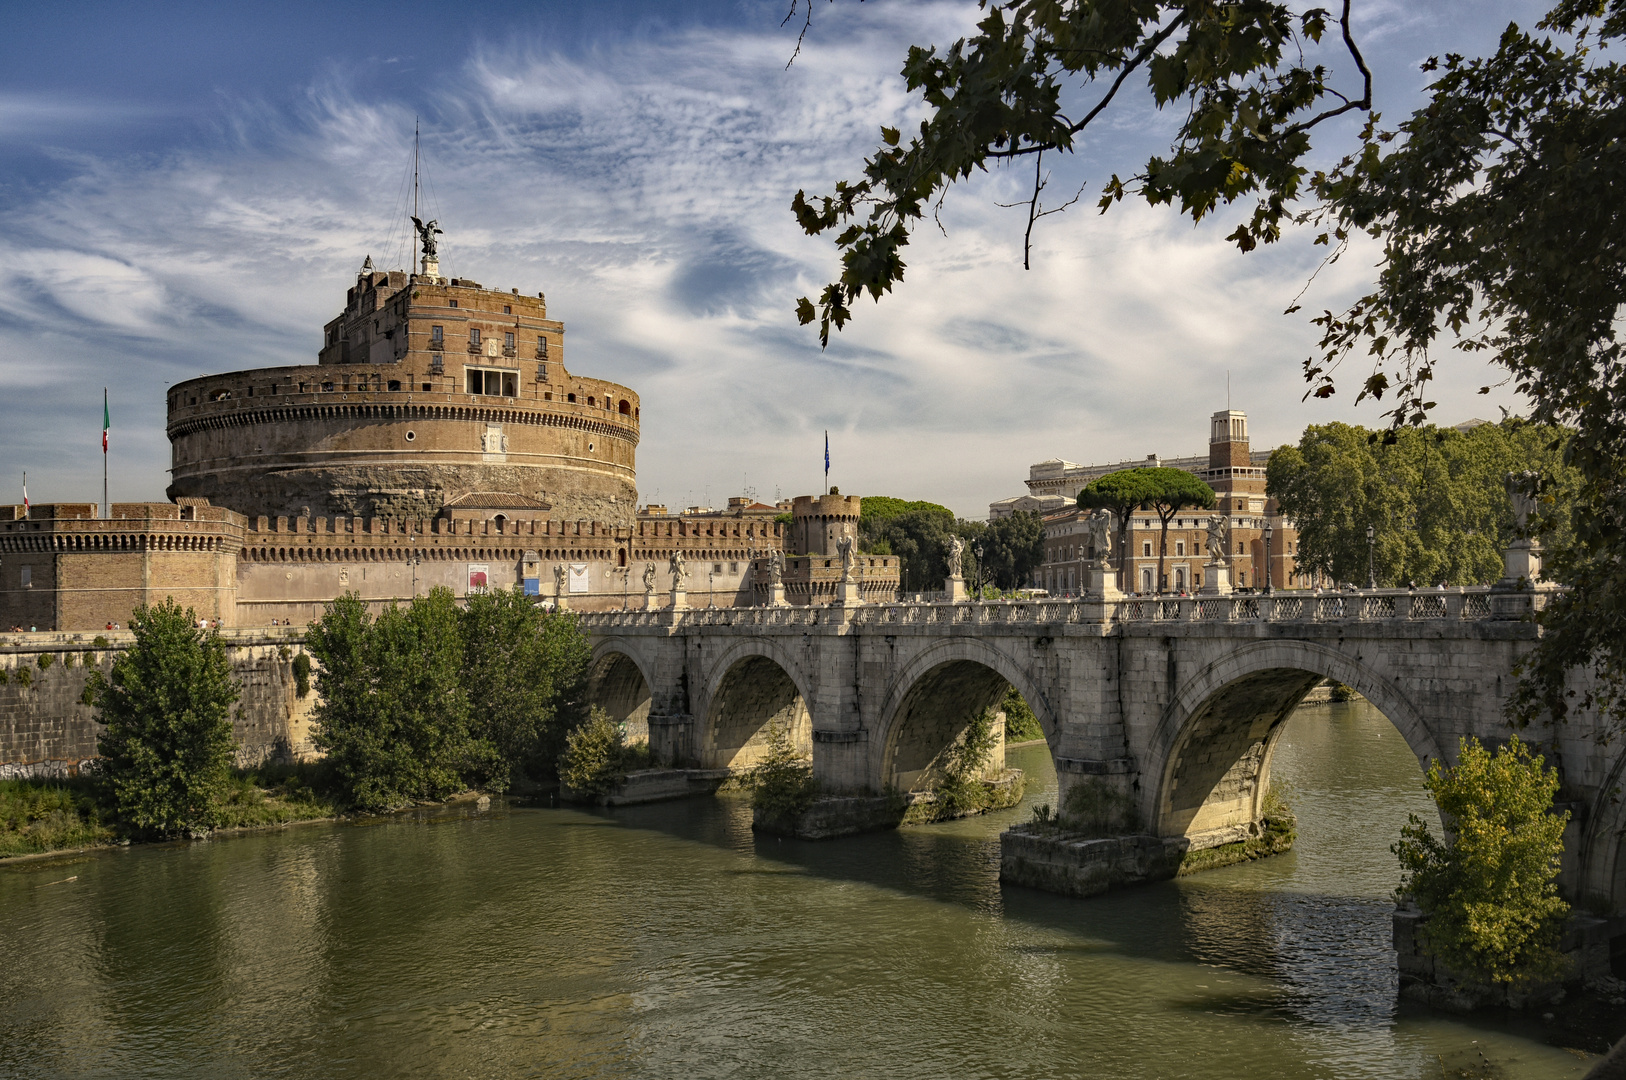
(669, 941)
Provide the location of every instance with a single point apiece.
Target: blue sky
(189, 188)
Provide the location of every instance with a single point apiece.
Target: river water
(669, 941)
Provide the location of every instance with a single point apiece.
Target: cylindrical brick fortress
(425, 392)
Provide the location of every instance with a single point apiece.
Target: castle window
(474, 335)
(590, 399)
(542, 372)
(507, 339)
(426, 388)
(454, 303)
(541, 346)
(626, 408)
(1146, 549)
(570, 398)
(492, 383)
(437, 334)
(1179, 547)
(508, 309)
(327, 386)
(395, 384)
(548, 396)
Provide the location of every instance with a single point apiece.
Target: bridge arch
(1215, 740)
(1603, 875)
(618, 681)
(753, 685)
(936, 695)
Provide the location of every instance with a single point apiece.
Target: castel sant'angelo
(439, 440)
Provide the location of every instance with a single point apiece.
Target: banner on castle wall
(533, 586)
(478, 576)
(578, 577)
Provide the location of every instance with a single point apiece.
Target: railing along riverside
(1470, 603)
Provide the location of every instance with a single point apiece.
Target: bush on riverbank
(960, 788)
(597, 757)
(1489, 890)
(38, 816)
(1020, 723)
(427, 700)
(167, 750)
(1278, 833)
(782, 785)
(47, 815)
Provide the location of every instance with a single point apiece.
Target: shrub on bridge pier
(1488, 892)
(782, 785)
(597, 758)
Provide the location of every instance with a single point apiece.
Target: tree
(1493, 910)
(1434, 497)
(394, 718)
(524, 671)
(167, 751)
(1012, 547)
(1174, 490)
(1122, 492)
(1166, 491)
(1501, 205)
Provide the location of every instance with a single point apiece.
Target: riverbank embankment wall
(48, 729)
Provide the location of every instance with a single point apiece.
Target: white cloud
(646, 187)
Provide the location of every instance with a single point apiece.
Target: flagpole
(107, 509)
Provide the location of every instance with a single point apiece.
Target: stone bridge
(1168, 709)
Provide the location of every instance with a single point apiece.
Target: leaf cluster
(597, 757)
(1237, 70)
(1488, 890)
(167, 749)
(1435, 498)
(782, 784)
(427, 700)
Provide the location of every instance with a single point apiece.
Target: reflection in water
(670, 940)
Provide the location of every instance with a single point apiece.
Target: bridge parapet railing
(1472, 603)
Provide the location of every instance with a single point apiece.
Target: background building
(1235, 472)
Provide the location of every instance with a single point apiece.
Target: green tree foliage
(960, 789)
(524, 670)
(1165, 491)
(782, 785)
(1493, 910)
(167, 751)
(1013, 547)
(1020, 723)
(874, 509)
(394, 716)
(596, 756)
(1434, 496)
(428, 700)
(1236, 73)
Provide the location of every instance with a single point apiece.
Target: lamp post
(979, 569)
(413, 562)
(711, 587)
(1268, 530)
(1371, 565)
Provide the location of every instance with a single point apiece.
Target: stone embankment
(48, 728)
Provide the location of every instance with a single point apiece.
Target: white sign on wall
(479, 573)
(578, 577)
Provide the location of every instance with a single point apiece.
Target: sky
(188, 189)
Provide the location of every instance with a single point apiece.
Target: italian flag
(106, 423)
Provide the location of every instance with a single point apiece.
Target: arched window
(626, 408)
(499, 521)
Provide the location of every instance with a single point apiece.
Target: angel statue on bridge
(649, 577)
(956, 557)
(776, 568)
(1218, 539)
(844, 548)
(1100, 524)
(680, 573)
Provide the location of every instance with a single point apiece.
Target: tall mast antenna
(414, 166)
